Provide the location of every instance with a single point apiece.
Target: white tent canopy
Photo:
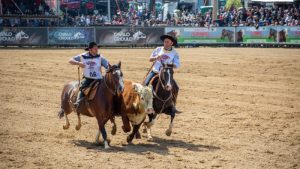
(272, 0)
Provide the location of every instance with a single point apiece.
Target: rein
(160, 99)
(109, 89)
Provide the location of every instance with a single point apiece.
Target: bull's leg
(67, 123)
(78, 126)
(97, 137)
(148, 125)
(134, 131)
(113, 126)
(169, 130)
(126, 125)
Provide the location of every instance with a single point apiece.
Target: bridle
(113, 92)
(164, 101)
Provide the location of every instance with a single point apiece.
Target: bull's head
(146, 98)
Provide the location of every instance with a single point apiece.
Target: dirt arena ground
(240, 106)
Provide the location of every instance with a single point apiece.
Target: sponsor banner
(23, 36)
(127, 35)
(288, 35)
(256, 35)
(70, 35)
(202, 35)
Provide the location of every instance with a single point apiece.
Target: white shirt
(168, 57)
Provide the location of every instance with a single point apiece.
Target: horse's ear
(109, 65)
(163, 64)
(119, 64)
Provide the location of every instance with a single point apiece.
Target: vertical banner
(256, 35)
(202, 35)
(70, 35)
(127, 36)
(23, 36)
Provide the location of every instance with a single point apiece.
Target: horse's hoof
(126, 130)
(138, 135)
(168, 132)
(65, 127)
(78, 127)
(150, 138)
(129, 139)
(114, 131)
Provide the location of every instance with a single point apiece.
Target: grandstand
(254, 22)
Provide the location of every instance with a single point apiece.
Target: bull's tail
(61, 113)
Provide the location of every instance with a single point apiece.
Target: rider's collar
(168, 50)
(89, 56)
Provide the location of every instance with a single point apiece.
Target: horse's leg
(133, 133)
(78, 126)
(103, 133)
(172, 113)
(67, 122)
(113, 126)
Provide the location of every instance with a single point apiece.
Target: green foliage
(233, 4)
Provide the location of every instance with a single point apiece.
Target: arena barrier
(120, 36)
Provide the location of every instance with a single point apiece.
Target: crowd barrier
(147, 36)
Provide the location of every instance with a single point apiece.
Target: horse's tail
(61, 113)
(64, 105)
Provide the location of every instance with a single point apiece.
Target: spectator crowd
(44, 16)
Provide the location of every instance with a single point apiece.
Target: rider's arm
(76, 61)
(104, 62)
(155, 55)
(176, 63)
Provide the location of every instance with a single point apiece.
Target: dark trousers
(84, 83)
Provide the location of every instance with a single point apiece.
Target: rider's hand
(80, 64)
(158, 57)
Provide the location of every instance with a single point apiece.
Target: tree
(233, 4)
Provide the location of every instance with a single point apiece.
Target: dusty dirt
(240, 106)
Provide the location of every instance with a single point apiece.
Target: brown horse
(273, 34)
(165, 91)
(227, 33)
(101, 106)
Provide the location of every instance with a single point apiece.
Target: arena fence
(148, 36)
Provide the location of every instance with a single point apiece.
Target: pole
(17, 7)
(215, 9)
(119, 10)
(108, 11)
(1, 12)
(148, 72)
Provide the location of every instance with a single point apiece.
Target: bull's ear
(136, 88)
(151, 87)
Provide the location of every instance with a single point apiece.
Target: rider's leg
(84, 83)
(149, 77)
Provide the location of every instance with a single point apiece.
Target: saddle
(89, 92)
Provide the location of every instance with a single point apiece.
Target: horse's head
(166, 76)
(115, 77)
(223, 34)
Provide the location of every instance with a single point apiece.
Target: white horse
(138, 35)
(21, 35)
(78, 35)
